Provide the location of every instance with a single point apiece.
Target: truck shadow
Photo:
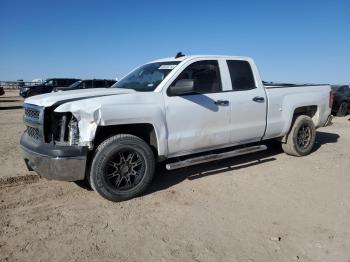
(323, 138)
(165, 179)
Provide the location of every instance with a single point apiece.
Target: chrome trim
(213, 157)
(40, 109)
(35, 122)
(57, 168)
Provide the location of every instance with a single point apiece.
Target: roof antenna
(179, 54)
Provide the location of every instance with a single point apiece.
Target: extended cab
(175, 110)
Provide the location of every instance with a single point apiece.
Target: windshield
(75, 84)
(147, 77)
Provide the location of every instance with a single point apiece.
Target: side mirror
(182, 87)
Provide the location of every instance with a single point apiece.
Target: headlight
(73, 136)
(62, 129)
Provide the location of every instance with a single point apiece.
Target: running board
(213, 157)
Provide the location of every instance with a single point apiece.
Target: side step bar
(213, 157)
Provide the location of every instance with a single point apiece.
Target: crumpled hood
(50, 99)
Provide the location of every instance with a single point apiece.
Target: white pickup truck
(184, 110)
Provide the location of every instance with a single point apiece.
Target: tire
(343, 109)
(122, 168)
(302, 132)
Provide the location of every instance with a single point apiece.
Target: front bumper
(65, 163)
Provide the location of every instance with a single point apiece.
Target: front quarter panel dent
(88, 119)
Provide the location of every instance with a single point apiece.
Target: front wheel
(122, 168)
(301, 137)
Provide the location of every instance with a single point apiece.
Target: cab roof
(187, 57)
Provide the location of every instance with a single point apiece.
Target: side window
(49, 83)
(88, 84)
(99, 84)
(205, 76)
(69, 82)
(241, 75)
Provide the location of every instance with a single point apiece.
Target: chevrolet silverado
(184, 110)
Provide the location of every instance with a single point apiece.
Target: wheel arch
(145, 131)
(308, 110)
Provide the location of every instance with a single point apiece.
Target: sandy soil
(262, 207)
(11, 129)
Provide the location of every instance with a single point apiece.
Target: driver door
(199, 120)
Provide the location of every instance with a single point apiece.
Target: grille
(33, 132)
(31, 113)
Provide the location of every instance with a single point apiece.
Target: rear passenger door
(247, 101)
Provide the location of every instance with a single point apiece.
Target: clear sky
(293, 41)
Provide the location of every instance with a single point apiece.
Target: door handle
(222, 102)
(258, 99)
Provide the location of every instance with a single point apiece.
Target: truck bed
(284, 99)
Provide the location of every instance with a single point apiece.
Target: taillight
(331, 98)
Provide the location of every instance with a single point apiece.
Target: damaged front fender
(88, 116)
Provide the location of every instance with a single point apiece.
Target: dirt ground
(11, 128)
(262, 207)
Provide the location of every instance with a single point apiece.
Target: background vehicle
(93, 83)
(185, 110)
(341, 100)
(2, 91)
(46, 87)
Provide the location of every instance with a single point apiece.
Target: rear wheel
(301, 137)
(343, 109)
(122, 168)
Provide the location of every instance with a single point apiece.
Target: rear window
(64, 82)
(241, 75)
(70, 81)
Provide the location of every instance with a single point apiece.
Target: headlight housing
(62, 129)
(73, 135)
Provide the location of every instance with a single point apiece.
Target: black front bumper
(66, 163)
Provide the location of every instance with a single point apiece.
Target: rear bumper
(54, 162)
